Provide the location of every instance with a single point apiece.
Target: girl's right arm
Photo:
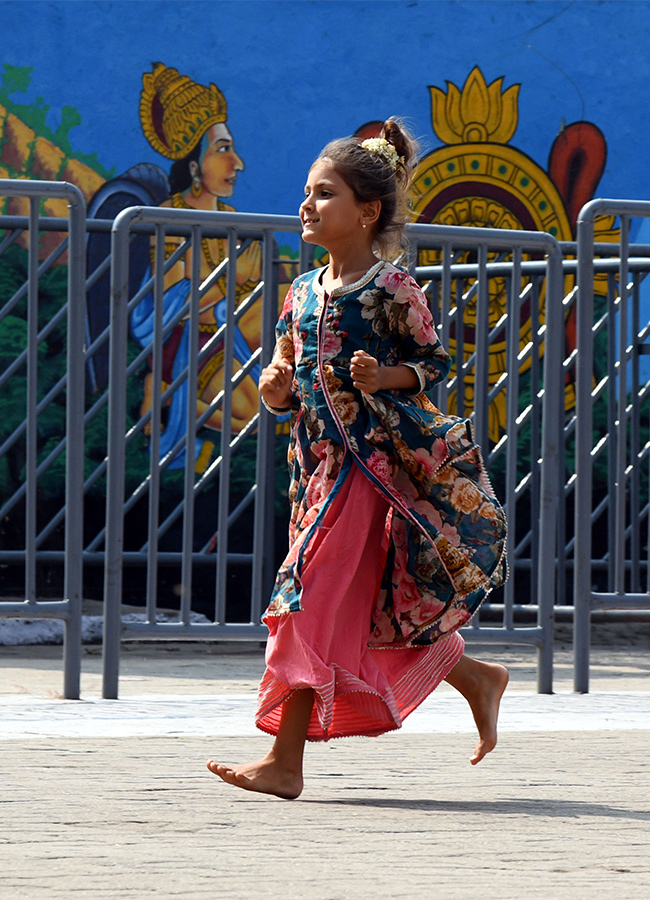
(276, 379)
(275, 385)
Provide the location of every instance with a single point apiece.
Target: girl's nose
(238, 163)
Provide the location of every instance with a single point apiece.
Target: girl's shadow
(515, 807)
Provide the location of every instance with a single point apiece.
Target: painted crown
(175, 111)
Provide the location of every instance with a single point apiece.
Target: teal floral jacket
(447, 530)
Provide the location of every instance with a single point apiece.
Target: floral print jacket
(445, 531)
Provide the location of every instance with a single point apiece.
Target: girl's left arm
(369, 376)
(420, 347)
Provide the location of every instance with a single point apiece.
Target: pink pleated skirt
(357, 690)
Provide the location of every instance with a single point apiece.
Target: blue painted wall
(296, 74)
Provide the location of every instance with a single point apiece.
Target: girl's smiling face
(330, 212)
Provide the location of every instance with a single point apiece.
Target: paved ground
(111, 799)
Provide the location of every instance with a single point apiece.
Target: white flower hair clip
(385, 149)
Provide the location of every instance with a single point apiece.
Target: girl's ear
(370, 213)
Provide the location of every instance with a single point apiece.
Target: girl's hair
(372, 177)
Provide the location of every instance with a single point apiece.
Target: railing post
(226, 431)
(75, 451)
(582, 588)
(31, 442)
(114, 541)
(553, 405)
(264, 538)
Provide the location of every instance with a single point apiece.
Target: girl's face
(219, 164)
(330, 212)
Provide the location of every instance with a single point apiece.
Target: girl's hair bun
(394, 132)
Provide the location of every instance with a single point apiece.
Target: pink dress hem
(338, 714)
(358, 690)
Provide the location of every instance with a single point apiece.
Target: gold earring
(197, 187)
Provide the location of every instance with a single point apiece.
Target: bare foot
(265, 777)
(482, 684)
(484, 703)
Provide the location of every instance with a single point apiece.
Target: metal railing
(39, 459)
(238, 230)
(608, 577)
(491, 298)
(495, 294)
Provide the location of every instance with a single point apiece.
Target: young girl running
(395, 536)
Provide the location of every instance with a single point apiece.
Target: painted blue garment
(142, 329)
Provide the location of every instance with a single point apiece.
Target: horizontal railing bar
(496, 635)
(203, 557)
(531, 267)
(194, 631)
(132, 558)
(41, 609)
(620, 601)
(252, 223)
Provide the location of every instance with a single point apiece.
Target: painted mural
(187, 123)
(476, 177)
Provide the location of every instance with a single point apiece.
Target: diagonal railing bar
(39, 271)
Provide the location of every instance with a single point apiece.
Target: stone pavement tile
(545, 817)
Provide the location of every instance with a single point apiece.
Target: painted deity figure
(187, 123)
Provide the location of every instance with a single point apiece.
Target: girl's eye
(225, 148)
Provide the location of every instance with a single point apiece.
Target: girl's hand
(275, 383)
(369, 376)
(366, 372)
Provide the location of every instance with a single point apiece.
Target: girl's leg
(280, 772)
(482, 684)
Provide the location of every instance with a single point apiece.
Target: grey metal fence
(454, 311)
(40, 450)
(255, 437)
(188, 485)
(498, 298)
(612, 446)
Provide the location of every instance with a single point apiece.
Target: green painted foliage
(17, 80)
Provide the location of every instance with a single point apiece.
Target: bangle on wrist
(276, 410)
